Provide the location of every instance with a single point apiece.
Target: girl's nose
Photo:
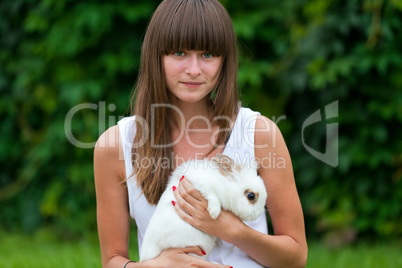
(193, 69)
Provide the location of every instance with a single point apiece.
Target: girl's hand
(192, 207)
(178, 258)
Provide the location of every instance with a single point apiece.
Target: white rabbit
(223, 184)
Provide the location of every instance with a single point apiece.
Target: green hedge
(297, 57)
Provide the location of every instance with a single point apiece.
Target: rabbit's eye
(251, 196)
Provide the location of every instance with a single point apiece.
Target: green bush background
(296, 58)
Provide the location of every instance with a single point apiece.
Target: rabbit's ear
(225, 164)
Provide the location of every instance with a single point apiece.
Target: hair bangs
(195, 25)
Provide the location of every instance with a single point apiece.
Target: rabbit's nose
(251, 196)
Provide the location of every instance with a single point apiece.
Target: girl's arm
(287, 247)
(113, 212)
(111, 199)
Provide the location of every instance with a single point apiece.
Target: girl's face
(191, 75)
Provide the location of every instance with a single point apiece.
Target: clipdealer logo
(330, 112)
(331, 154)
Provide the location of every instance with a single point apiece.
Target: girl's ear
(226, 165)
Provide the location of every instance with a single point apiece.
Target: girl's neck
(191, 115)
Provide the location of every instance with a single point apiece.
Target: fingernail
(174, 188)
(174, 203)
(181, 178)
(203, 252)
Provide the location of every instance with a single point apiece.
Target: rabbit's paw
(214, 211)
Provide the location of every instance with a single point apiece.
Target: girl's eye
(207, 55)
(179, 53)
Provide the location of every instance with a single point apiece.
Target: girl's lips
(192, 84)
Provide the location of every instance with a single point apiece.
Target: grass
(42, 250)
(362, 255)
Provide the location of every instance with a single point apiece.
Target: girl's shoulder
(108, 147)
(267, 132)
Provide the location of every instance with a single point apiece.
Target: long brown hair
(175, 26)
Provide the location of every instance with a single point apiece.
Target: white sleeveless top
(239, 147)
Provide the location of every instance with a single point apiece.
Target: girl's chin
(190, 98)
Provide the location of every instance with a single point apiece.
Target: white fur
(167, 230)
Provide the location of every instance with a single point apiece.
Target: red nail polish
(203, 252)
(181, 178)
(174, 188)
(174, 203)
